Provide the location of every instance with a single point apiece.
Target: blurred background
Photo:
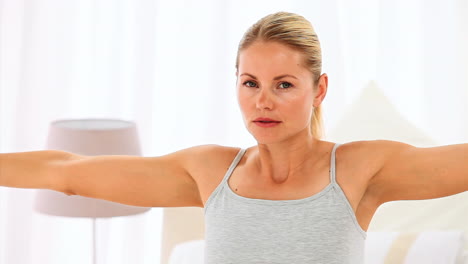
(169, 66)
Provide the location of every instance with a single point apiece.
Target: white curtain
(169, 66)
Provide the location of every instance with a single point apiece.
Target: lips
(266, 120)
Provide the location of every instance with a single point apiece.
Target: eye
(285, 85)
(250, 84)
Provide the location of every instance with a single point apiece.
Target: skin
(272, 82)
(286, 164)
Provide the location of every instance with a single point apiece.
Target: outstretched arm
(34, 169)
(412, 173)
(164, 181)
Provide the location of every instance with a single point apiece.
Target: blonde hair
(296, 32)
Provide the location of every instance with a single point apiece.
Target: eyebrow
(276, 78)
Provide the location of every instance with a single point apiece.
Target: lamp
(90, 137)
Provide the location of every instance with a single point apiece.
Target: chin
(264, 138)
(270, 137)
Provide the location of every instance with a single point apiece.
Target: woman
(292, 198)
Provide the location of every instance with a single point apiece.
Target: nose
(264, 99)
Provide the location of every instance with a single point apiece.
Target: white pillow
(430, 247)
(190, 252)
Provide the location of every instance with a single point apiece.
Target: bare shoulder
(207, 165)
(367, 156)
(356, 163)
(204, 158)
(360, 161)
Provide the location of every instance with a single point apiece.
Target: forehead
(271, 58)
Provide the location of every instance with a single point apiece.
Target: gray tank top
(321, 228)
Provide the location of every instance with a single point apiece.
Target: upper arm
(164, 181)
(412, 173)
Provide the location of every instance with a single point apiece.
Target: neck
(281, 161)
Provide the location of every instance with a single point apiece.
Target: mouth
(266, 120)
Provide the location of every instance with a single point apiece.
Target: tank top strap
(234, 163)
(333, 164)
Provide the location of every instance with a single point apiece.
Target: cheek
(242, 100)
(301, 105)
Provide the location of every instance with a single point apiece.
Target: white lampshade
(90, 137)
